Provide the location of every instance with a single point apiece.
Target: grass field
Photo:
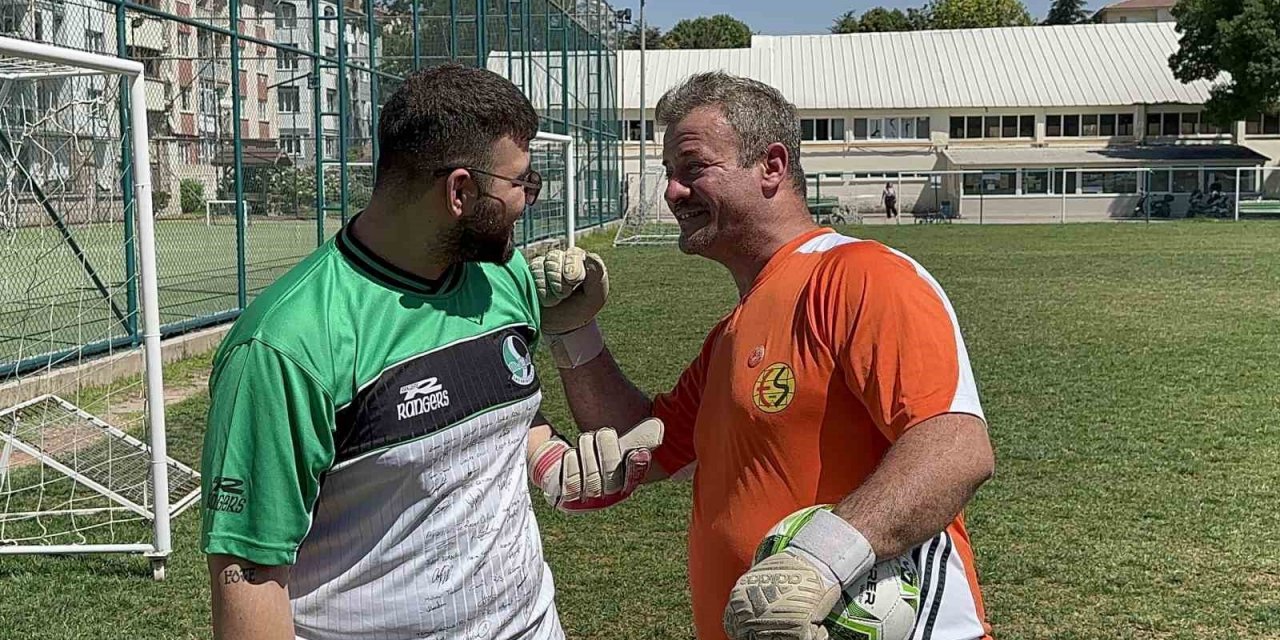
(1129, 375)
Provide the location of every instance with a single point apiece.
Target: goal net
(83, 457)
(553, 218)
(646, 219)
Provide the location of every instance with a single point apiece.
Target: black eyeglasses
(531, 182)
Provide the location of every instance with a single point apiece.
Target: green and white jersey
(369, 428)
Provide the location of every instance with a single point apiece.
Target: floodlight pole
(644, 158)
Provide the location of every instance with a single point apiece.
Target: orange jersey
(839, 348)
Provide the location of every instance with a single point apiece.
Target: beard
(483, 234)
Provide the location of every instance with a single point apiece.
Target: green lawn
(1129, 374)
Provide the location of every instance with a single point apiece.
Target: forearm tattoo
(242, 574)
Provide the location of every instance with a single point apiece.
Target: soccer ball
(882, 606)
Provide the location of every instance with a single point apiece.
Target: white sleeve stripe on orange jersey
(966, 396)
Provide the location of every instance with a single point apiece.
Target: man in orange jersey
(840, 377)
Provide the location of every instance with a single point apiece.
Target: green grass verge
(1128, 372)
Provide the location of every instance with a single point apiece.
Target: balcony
(146, 32)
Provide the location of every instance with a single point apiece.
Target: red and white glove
(602, 471)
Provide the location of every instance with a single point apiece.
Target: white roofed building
(1036, 112)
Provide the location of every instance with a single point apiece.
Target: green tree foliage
(978, 14)
(1067, 12)
(716, 32)
(1240, 38)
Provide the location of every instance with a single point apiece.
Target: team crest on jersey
(515, 354)
(775, 388)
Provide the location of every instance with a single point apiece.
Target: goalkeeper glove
(604, 470)
(788, 595)
(572, 287)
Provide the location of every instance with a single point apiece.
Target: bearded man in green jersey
(374, 412)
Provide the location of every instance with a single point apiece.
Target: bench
(1260, 207)
(826, 211)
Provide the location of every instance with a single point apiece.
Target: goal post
(71, 480)
(555, 157)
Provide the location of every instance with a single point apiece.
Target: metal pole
(126, 188)
(1237, 194)
(237, 138)
(151, 325)
(644, 160)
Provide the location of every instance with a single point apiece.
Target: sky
(778, 17)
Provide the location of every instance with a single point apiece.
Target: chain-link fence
(262, 117)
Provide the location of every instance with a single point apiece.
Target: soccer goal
(83, 459)
(223, 212)
(553, 219)
(646, 218)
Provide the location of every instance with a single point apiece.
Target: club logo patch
(515, 354)
(757, 355)
(775, 388)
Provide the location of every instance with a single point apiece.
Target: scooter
(1161, 207)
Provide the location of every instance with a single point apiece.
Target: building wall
(1137, 15)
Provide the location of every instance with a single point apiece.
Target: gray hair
(757, 112)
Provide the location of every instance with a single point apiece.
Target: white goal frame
(208, 210)
(570, 182)
(39, 60)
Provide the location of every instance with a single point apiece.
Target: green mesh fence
(262, 118)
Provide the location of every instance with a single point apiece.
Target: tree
(1067, 12)
(882, 19)
(847, 23)
(919, 19)
(717, 32)
(978, 14)
(631, 38)
(1238, 38)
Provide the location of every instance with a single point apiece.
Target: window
(1190, 124)
(330, 52)
(330, 146)
(286, 15)
(1124, 125)
(1120, 182)
(991, 182)
(1186, 180)
(1106, 125)
(821, 129)
(1171, 122)
(1159, 181)
(1253, 125)
(1027, 127)
(185, 97)
(1010, 129)
(1071, 126)
(204, 46)
(973, 128)
(1065, 181)
(1035, 181)
(330, 18)
(1153, 125)
(8, 21)
(1089, 126)
(957, 127)
(633, 130)
(287, 60)
(1209, 128)
(184, 44)
(93, 40)
(331, 100)
(992, 128)
(39, 26)
(1053, 126)
(890, 128)
(291, 143)
(288, 100)
(262, 110)
(1271, 124)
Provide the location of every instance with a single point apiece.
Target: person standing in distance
(840, 377)
(374, 412)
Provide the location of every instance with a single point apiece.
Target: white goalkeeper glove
(787, 595)
(602, 471)
(572, 287)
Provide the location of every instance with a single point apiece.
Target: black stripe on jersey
(436, 390)
(924, 563)
(940, 587)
